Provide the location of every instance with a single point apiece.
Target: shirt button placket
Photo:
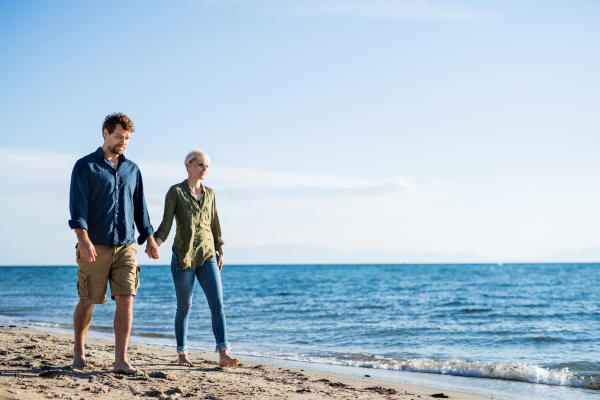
(116, 204)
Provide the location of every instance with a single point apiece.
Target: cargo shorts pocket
(137, 277)
(83, 285)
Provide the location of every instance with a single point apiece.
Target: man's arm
(79, 195)
(78, 207)
(85, 246)
(142, 220)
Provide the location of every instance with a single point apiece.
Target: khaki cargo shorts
(114, 264)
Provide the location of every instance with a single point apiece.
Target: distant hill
(305, 254)
(299, 254)
(585, 255)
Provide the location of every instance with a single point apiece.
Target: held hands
(152, 248)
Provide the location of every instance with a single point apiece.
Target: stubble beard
(115, 150)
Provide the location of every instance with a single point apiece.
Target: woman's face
(197, 168)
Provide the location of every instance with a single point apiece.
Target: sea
(508, 331)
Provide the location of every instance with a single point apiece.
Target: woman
(198, 235)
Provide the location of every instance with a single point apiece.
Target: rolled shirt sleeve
(79, 196)
(140, 216)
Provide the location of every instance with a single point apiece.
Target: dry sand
(37, 365)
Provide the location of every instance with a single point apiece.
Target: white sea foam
(502, 371)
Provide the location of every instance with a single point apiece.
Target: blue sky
(343, 131)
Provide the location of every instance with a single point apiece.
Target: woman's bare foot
(124, 368)
(184, 361)
(225, 360)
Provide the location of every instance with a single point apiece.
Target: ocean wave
(503, 371)
(557, 375)
(39, 324)
(475, 369)
(475, 310)
(93, 328)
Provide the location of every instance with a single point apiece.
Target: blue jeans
(209, 277)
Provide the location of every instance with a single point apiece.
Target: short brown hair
(111, 121)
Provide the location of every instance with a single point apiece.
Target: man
(107, 198)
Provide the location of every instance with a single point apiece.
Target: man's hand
(221, 258)
(85, 245)
(152, 248)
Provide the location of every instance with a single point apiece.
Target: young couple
(106, 201)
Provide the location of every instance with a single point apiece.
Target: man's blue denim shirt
(107, 202)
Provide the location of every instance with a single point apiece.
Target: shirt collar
(187, 186)
(100, 154)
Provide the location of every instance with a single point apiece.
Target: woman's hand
(158, 241)
(221, 258)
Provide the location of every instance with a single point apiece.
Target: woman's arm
(167, 222)
(216, 231)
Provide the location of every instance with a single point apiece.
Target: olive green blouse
(198, 231)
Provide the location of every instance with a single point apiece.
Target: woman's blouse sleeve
(216, 226)
(168, 214)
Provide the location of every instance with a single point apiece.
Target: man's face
(118, 140)
(198, 168)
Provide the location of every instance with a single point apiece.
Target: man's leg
(91, 286)
(81, 324)
(124, 281)
(123, 319)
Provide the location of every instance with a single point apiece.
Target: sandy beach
(36, 364)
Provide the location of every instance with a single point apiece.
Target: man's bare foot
(184, 361)
(124, 368)
(79, 361)
(225, 360)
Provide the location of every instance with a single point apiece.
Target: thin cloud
(18, 163)
(21, 164)
(255, 178)
(244, 183)
(379, 9)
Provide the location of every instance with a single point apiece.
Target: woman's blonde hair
(192, 155)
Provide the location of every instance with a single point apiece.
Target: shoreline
(35, 364)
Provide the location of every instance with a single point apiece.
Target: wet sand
(36, 364)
